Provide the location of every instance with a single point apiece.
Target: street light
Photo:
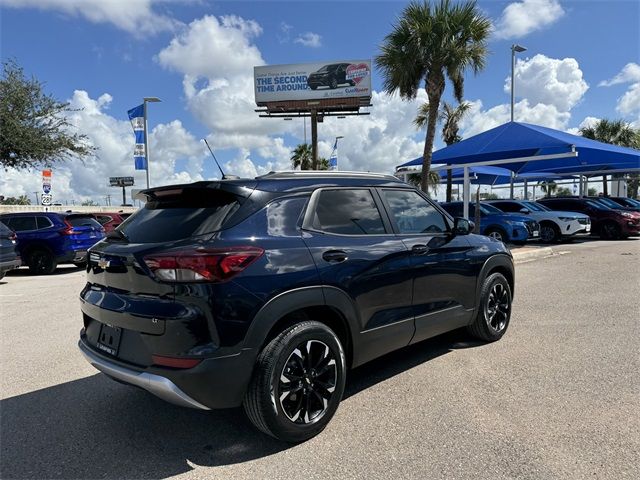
(514, 48)
(146, 139)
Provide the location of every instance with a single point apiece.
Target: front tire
(610, 231)
(298, 383)
(494, 311)
(333, 83)
(549, 233)
(497, 233)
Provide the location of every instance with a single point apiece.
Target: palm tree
(302, 158)
(416, 178)
(450, 117)
(548, 187)
(430, 44)
(615, 132)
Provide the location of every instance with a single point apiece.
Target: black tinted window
(103, 219)
(82, 221)
(455, 210)
(508, 206)
(190, 213)
(348, 212)
(413, 214)
(43, 222)
(22, 224)
(4, 230)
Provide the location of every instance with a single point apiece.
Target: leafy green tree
(489, 196)
(21, 200)
(616, 132)
(430, 43)
(89, 203)
(34, 129)
(450, 117)
(302, 157)
(592, 192)
(564, 192)
(416, 178)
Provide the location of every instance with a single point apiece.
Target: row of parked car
(555, 218)
(42, 240)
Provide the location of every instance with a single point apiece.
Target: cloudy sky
(103, 56)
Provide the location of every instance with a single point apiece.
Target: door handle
(419, 249)
(334, 256)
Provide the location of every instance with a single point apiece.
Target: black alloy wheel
(297, 382)
(494, 311)
(333, 83)
(307, 382)
(497, 308)
(610, 231)
(41, 262)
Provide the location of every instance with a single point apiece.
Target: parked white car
(554, 225)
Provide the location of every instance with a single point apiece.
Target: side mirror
(462, 226)
(524, 210)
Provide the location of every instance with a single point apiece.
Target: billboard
(312, 81)
(121, 181)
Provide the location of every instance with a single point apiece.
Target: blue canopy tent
(522, 147)
(498, 176)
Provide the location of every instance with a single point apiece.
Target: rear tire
(41, 262)
(494, 311)
(298, 382)
(333, 83)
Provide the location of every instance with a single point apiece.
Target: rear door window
(43, 222)
(347, 212)
(22, 224)
(191, 213)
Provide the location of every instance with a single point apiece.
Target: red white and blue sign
(136, 116)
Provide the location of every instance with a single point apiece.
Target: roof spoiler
(158, 193)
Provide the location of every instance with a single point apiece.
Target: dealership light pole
(514, 48)
(146, 139)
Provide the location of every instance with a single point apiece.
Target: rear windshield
(194, 212)
(82, 221)
(4, 230)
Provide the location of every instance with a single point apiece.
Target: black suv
(330, 76)
(264, 292)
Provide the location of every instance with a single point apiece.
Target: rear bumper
(219, 382)
(159, 386)
(72, 256)
(10, 264)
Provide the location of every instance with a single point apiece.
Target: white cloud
(285, 32)
(114, 139)
(478, 120)
(134, 16)
(550, 81)
(521, 18)
(630, 73)
(629, 103)
(309, 39)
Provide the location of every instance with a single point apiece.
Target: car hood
(514, 217)
(574, 215)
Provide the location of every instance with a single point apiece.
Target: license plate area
(109, 339)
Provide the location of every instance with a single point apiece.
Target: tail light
(13, 237)
(68, 229)
(202, 265)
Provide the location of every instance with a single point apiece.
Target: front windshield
(534, 207)
(597, 205)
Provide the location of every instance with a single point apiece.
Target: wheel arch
(500, 263)
(327, 305)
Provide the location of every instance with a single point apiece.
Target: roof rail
(323, 173)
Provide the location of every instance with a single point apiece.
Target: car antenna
(214, 158)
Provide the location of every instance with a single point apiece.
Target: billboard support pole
(314, 139)
(124, 196)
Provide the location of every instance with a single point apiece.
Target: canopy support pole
(466, 193)
(526, 189)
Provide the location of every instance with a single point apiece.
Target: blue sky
(112, 51)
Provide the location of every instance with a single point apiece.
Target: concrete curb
(531, 253)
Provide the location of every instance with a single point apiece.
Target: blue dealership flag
(136, 116)
(333, 159)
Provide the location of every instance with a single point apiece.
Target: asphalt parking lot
(558, 397)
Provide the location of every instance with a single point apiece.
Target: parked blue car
(46, 239)
(505, 227)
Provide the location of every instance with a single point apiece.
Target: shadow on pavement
(61, 270)
(97, 428)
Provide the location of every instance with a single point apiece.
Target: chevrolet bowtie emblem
(103, 263)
